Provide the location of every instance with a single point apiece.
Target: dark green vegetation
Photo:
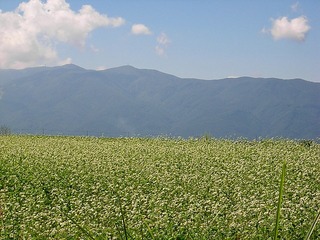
(127, 101)
(5, 130)
(143, 188)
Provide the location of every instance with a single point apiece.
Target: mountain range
(126, 101)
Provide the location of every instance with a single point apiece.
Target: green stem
(122, 219)
(313, 226)
(284, 166)
(86, 232)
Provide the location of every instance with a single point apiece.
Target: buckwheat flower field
(156, 188)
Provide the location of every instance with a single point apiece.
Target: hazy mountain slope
(130, 101)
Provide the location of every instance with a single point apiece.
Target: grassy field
(144, 188)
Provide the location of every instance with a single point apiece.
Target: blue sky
(204, 39)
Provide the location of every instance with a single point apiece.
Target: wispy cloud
(1, 93)
(94, 49)
(140, 29)
(233, 76)
(162, 44)
(29, 34)
(101, 68)
(295, 7)
(284, 28)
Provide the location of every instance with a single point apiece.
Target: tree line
(5, 130)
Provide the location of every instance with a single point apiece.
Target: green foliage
(140, 188)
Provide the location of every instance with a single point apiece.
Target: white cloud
(163, 43)
(140, 29)
(29, 34)
(284, 28)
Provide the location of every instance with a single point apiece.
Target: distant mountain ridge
(129, 101)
